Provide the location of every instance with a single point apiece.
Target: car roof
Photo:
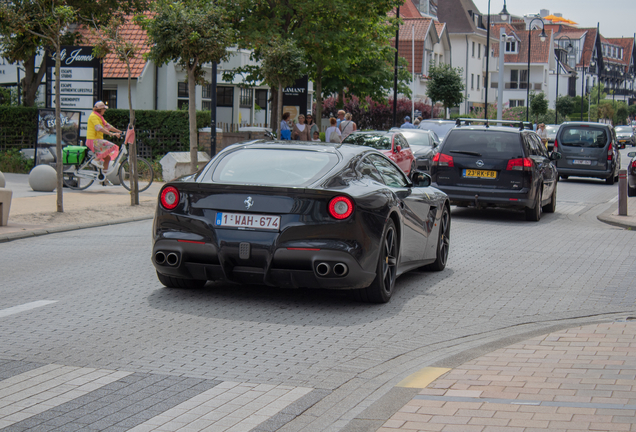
(580, 123)
(424, 131)
(346, 150)
(510, 129)
(437, 121)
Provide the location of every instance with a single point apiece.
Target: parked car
(424, 145)
(625, 135)
(551, 130)
(497, 166)
(392, 144)
(300, 215)
(588, 150)
(440, 127)
(631, 175)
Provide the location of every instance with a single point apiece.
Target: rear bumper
(488, 197)
(282, 267)
(579, 172)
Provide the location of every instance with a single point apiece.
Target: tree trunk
(192, 115)
(274, 120)
(32, 80)
(279, 108)
(58, 130)
(318, 94)
(340, 103)
(132, 148)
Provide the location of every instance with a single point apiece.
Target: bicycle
(82, 176)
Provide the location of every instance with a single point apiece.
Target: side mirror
(398, 148)
(420, 179)
(631, 154)
(366, 170)
(555, 156)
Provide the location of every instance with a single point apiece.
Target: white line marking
(24, 307)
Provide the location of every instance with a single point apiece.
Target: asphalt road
(506, 278)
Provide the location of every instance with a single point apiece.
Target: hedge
(157, 132)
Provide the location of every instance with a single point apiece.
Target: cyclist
(104, 150)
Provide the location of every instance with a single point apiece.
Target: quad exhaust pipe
(339, 269)
(171, 259)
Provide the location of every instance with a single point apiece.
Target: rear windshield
(441, 129)
(577, 136)
(417, 138)
(483, 143)
(273, 167)
(624, 130)
(379, 142)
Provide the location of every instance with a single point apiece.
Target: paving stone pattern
(505, 276)
(575, 380)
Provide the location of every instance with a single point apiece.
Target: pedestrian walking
(407, 123)
(313, 127)
(543, 134)
(332, 134)
(347, 126)
(285, 132)
(300, 130)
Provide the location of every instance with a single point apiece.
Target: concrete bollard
(43, 178)
(622, 192)
(2, 181)
(5, 205)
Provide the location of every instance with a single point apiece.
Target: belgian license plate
(251, 221)
(472, 173)
(581, 162)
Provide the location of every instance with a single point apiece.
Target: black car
(440, 127)
(631, 175)
(588, 150)
(497, 167)
(424, 145)
(625, 135)
(300, 215)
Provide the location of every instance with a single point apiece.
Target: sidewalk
(34, 213)
(611, 215)
(578, 379)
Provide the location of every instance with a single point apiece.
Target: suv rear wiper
(469, 153)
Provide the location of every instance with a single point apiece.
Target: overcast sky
(616, 17)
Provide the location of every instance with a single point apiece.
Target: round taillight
(169, 197)
(340, 207)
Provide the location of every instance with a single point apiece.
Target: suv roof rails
(520, 124)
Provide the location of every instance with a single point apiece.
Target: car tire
(381, 288)
(443, 243)
(631, 191)
(551, 208)
(173, 282)
(534, 214)
(610, 180)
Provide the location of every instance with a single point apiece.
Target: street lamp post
(543, 37)
(569, 49)
(504, 17)
(583, 86)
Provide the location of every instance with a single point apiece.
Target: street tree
(48, 20)
(538, 105)
(595, 96)
(108, 39)
(445, 85)
(18, 46)
(190, 33)
(563, 105)
(282, 64)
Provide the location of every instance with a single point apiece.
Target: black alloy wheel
(173, 282)
(534, 214)
(551, 208)
(381, 288)
(443, 243)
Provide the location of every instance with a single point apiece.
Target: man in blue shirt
(407, 123)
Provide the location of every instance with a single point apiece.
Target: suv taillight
(444, 160)
(556, 146)
(634, 165)
(610, 152)
(520, 164)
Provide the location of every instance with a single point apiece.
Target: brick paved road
(506, 277)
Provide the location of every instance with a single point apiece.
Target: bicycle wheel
(145, 174)
(72, 181)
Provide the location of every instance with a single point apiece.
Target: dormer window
(511, 47)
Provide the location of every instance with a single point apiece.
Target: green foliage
(8, 96)
(538, 106)
(621, 115)
(576, 105)
(564, 105)
(282, 63)
(12, 161)
(323, 136)
(445, 85)
(594, 93)
(19, 126)
(188, 32)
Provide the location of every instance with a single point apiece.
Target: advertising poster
(47, 138)
(295, 98)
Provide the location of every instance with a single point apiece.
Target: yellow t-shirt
(91, 133)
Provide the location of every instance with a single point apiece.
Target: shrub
(12, 161)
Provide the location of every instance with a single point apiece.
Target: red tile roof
(628, 45)
(113, 68)
(407, 10)
(421, 27)
(539, 52)
(440, 28)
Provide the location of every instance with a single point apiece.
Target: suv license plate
(472, 173)
(581, 162)
(252, 221)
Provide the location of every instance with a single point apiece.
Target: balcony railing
(513, 85)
